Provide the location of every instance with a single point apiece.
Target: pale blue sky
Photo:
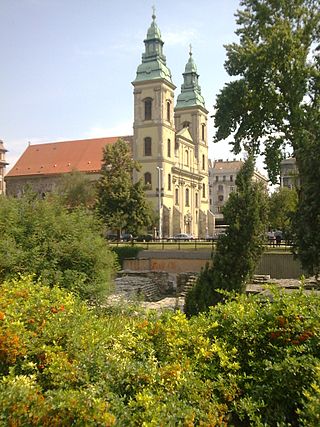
(67, 65)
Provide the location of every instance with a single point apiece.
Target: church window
(224, 178)
(220, 198)
(186, 158)
(197, 200)
(203, 190)
(148, 109)
(168, 111)
(187, 197)
(203, 162)
(220, 187)
(203, 126)
(147, 146)
(217, 178)
(169, 181)
(176, 196)
(231, 178)
(147, 180)
(169, 148)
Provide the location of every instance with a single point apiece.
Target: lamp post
(159, 200)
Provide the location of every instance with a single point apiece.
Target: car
(144, 238)
(182, 236)
(127, 237)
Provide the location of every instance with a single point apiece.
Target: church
(169, 141)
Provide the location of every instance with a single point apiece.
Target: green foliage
(75, 189)
(277, 70)
(124, 252)
(237, 252)
(247, 362)
(41, 237)
(122, 203)
(282, 207)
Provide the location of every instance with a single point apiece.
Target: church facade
(169, 141)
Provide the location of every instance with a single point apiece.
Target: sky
(67, 65)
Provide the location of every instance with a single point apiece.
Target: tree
(238, 252)
(274, 102)
(121, 203)
(76, 189)
(43, 238)
(282, 207)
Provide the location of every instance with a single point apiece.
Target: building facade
(170, 141)
(289, 173)
(3, 165)
(222, 176)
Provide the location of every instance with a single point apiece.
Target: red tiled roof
(61, 157)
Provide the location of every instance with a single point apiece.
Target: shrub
(124, 252)
(41, 237)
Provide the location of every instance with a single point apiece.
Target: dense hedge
(247, 362)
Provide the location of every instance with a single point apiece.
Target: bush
(41, 237)
(246, 362)
(124, 252)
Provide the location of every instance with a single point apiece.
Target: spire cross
(153, 12)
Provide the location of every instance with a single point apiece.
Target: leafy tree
(43, 238)
(122, 203)
(76, 189)
(240, 249)
(282, 207)
(274, 101)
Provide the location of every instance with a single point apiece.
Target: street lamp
(159, 200)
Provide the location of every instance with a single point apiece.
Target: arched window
(169, 181)
(147, 179)
(147, 146)
(186, 124)
(220, 198)
(203, 190)
(187, 197)
(169, 148)
(197, 200)
(148, 109)
(186, 158)
(203, 128)
(168, 111)
(203, 162)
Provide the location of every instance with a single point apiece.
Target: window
(203, 190)
(169, 148)
(186, 158)
(147, 180)
(187, 197)
(220, 198)
(231, 189)
(224, 178)
(147, 146)
(231, 178)
(203, 131)
(203, 162)
(169, 181)
(176, 196)
(148, 109)
(220, 187)
(186, 124)
(168, 111)
(197, 200)
(217, 178)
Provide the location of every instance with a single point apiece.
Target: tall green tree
(43, 238)
(282, 208)
(76, 189)
(238, 252)
(121, 202)
(273, 101)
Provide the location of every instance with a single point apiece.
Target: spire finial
(190, 49)
(153, 12)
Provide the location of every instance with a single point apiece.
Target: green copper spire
(190, 95)
(153, 64)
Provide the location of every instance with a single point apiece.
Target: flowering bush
(247, 362)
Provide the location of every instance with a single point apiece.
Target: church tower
(191, 122)
(154, 132)
(3, 165)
